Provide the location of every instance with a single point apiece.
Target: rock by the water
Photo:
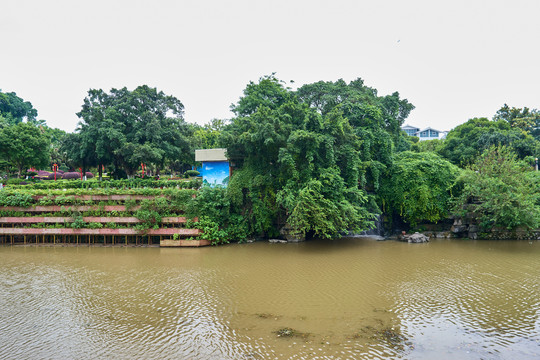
(415, 238)
(277, 241)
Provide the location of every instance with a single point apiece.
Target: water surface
(345, 299)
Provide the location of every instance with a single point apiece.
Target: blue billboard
(215, 173)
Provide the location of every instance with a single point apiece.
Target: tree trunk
(100, 171)
(83, 170)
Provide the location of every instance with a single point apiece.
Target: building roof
(211, 155)
(409, 127)
(430, 128)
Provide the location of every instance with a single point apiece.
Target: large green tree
(467, 141)
(125, 128)
(302, 161)
(522, 118)
(375, 120)
(207, 136)
(13, 109)
(24, 145)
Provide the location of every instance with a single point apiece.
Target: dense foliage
(319, 161)
(125, 128)
(418, 187)
(24, 145)
(467, 141)
(218, 218)
(522, 118)
(13, 109)
(24, 141)
(146, 183)
(305, 158)
(499, 191)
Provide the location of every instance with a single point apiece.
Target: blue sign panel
(215, 173)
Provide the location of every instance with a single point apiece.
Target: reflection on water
(351, 298)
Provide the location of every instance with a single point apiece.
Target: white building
(424, 134)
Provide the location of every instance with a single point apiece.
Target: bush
(45, 174)
(220, 223)
(71, 175)
(114, 184)
(418, 187)
(15, 181)
(16, 199)
(191, 173)
(499, 190)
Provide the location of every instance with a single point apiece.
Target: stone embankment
(468, 227)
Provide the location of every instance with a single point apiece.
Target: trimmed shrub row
(114, 184)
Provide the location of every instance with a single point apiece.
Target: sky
(453, 60)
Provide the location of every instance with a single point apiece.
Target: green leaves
(24, 145)
(467, 141)
(219, 219)
(418, 187)
(16, 199)
(14, 109)
(124, 128)
(301, 160)
(499, 191)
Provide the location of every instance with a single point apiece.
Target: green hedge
(113, 184)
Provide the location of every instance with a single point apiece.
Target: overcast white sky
(452, 59)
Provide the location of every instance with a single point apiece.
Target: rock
(416, 238)
(287, 233)
(458, 228)
(443, 235)
(277, 241)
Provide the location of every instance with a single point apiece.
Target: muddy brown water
(345, 299)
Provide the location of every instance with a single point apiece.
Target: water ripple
(445, 299)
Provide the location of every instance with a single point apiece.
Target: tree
(24, 145)
(499, 191)
(207, 136)
(55, 136)
(434, 145)
(522, 118)
(297, 166)
(77, 151)
(467, 141)
(13, 109)
(126, 128)
(268, 92)
(417, 187)
(376, 120)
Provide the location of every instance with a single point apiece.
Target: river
(352, 298)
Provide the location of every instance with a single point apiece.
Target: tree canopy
(13, 109)
(499, 191)
(305, 158)
(467, 141)
(125, 128)
(24, 145)
(375, 120)
(522, 118)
